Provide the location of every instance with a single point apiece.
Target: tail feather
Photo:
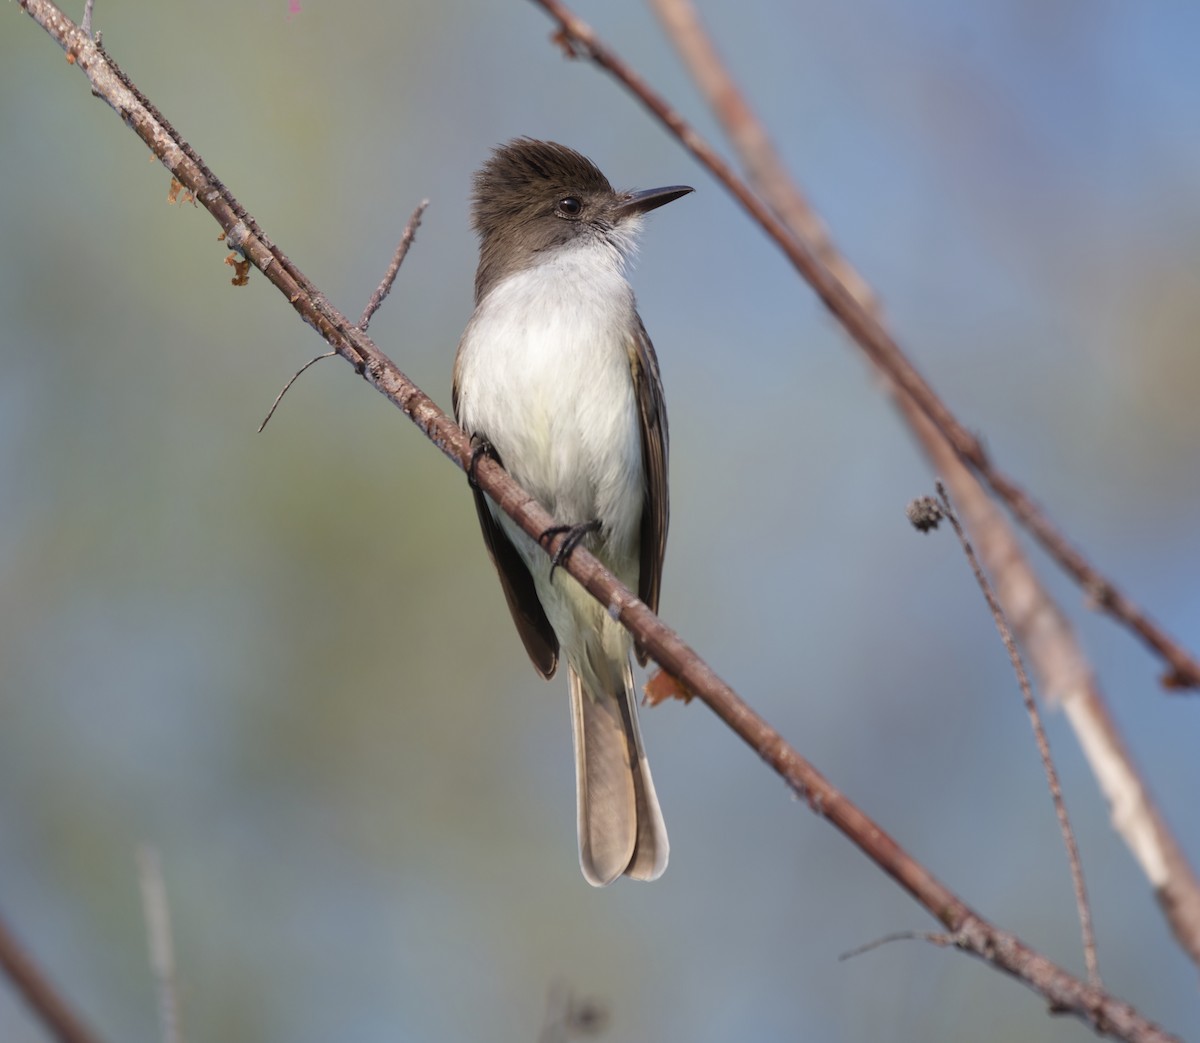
(621, 828)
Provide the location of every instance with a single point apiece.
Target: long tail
(621, 828)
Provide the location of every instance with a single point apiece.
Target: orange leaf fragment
(241, 268)
(663, 686)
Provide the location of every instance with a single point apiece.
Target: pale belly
(544, 379)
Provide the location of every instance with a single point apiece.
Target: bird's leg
(574, 536)
(480, 447)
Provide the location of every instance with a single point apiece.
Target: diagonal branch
(766, 172)
(1054, 652)
(1039, 732)
(41, 995)
(577, 37)
(1064, 992)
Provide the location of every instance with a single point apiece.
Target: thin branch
(389, 277)
(1067, 680)
(160, 943)
(577, 37)
(938, 938)
(1042, 628)
(40, 994)
(973, 934)
(1043, 744)
(288, 386)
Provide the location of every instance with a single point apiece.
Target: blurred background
(284, 660)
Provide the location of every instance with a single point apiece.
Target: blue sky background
(284, 661)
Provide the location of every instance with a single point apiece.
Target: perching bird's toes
(480, 447)
(574, 536)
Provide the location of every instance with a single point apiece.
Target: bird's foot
(480, 447)
(574, 536)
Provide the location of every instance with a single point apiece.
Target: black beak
(650, 199)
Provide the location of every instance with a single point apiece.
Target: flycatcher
(556, 377)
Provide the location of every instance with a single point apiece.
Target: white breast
(544, 374)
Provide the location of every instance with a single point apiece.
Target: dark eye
(569, 207)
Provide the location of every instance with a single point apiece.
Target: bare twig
(288, 386)
(389, 277)
(40, 994)
(938, 938)
(86, 24)
(973, 934)
(857, 319)
(1043, 744)
(1067, 680)
(1054, 652)
(158, 937)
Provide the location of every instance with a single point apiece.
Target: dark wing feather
(515, 579)
(537, 635)
(652, 412)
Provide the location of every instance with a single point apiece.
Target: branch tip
(288, 386)
(393, 269)
(940, 939)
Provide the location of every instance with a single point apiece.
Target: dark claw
(574, 536)
(480, 447)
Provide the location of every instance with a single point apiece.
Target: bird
(556, 379)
